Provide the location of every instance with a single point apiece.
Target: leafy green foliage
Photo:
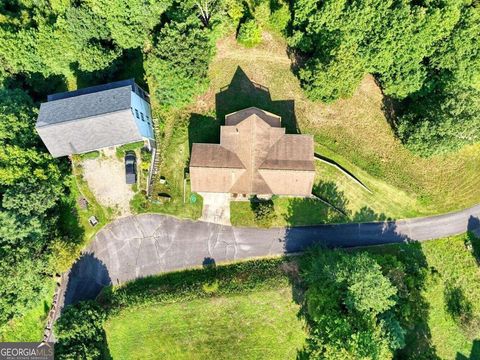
(350, 305)
(441, 121)
(279, 16)
(249, 34)
(30, 188)
(80, 333)
(178, 64)
(263, 210)
(130, 22)
(194, 284)
(413, 48)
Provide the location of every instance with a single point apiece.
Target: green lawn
(257, 325)
(288, 211)
(458, 268)
(354, 132)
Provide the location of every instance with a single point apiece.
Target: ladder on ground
(155, 164)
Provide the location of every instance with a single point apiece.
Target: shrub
(211, 287)
(263, 210)
(194, 284)
(280, 17)
(249, 34)
(80, 333)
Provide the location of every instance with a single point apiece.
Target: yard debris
(82, 203)
(93, 220)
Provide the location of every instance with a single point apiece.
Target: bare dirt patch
(106, 178)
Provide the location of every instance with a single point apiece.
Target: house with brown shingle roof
(255, 157)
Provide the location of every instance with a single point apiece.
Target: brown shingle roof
(253, 140)
(214, 156)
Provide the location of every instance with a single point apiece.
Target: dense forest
(424, 54)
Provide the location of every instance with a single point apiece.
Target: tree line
(424, 54)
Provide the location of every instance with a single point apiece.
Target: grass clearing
(255, 325)
(354, 132)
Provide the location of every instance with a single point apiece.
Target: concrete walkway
(143, 245)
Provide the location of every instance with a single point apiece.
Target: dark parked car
(130, 167)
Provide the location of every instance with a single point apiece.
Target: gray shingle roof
(83, 106)
(88, 134)
(90, 119)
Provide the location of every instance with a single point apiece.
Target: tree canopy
(413, 48)
(350, 305)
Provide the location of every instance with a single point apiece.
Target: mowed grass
(256, 325)
(458, 268)
(354, 132)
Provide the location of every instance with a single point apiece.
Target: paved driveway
(216, 208)
(143, 245)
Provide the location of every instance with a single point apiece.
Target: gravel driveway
(106, 179)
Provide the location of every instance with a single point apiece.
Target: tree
(130, 22)
(178, 64)
(80, 333)
(30, 189)
(441, 121)
(350, 307)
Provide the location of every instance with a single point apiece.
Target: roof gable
(258, 146)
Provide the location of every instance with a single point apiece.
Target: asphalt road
(143, 245)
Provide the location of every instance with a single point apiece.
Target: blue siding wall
(140, 106)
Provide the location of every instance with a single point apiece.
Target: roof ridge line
(82, 118)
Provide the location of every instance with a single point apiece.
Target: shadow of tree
(87, 277)
(460, 309)
(127, 66)
(242, 93)
(474, 353)
(37, 85)
(209, 263)
(203, 129)
(457, 305)
(328, 191)
(307, 211)
(473, 237)
(366, 214)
